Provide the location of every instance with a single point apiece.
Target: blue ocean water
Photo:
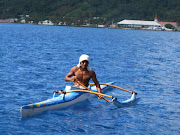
(34, 60)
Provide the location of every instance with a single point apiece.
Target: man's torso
(83, 76)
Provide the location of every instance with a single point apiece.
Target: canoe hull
(28, 112)
(58, 102)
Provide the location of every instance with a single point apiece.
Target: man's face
(84, 63)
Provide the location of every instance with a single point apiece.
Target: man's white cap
(82, 58)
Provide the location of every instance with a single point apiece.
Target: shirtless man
(83, 73)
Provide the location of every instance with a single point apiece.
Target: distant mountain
(92, 11)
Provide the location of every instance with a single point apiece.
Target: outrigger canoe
(62, 100)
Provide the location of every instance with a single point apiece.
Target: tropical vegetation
(90, 11)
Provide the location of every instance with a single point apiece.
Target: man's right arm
(69, 77)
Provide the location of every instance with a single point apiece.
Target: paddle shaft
(114, 87)
(91, 90)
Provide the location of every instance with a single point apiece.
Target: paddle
(114, 87)
(91, 90)
(118, 104)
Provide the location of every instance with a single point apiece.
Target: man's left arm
(96, 82)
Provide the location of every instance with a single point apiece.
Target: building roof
(139, 22)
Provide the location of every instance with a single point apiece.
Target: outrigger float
(70, 96)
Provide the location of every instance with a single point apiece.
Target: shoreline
(92, 27)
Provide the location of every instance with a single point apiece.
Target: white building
(138, 24)
(23, 21)
(46, 22)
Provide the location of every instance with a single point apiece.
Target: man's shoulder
(75, 68)
(92, 72)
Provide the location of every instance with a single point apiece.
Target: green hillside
(91, 11)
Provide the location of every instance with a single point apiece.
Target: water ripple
(35, 59)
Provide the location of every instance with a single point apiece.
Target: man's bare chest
(83, 74)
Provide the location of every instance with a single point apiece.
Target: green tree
(168, 10)
(169, 26)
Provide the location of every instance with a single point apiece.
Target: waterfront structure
(46, 22)
(150, 25)
(164, 23)
(138, 24)
(10, 20)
